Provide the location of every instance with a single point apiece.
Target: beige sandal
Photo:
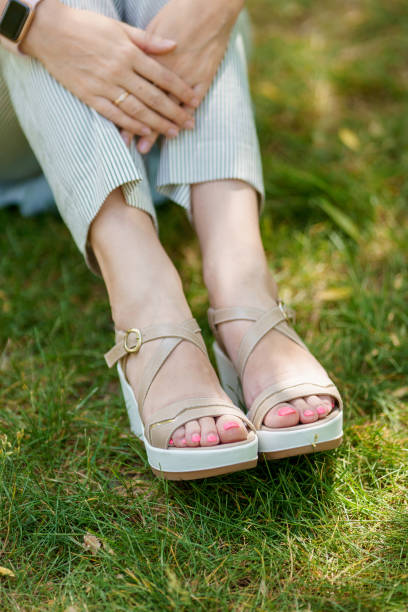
(170, 462)
(282, 442)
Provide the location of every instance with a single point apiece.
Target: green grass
(324, 532)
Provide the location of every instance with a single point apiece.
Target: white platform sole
(189, 464)
(323, 434)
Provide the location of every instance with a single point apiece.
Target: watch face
(14, 18)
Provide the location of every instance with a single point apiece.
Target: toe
(209, 433)
(307, 414)
(321, 404)
(231, 429)
(328, 401)
(179, 437)
(193, 433)
(282, 415)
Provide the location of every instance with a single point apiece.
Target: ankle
(242, 282)
(157, 302)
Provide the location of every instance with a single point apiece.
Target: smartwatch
(15, 20)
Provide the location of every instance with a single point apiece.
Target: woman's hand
(98, 58)
(202, 38)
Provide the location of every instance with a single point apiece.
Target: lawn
(84, 525)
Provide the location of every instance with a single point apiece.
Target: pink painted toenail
(321, 410)
(184, 441)
(171, 442)
(308, 413)
(286, 410)
(212, 438)
(230, 425)
(196, 437)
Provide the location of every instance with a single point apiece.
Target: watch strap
(5, 42)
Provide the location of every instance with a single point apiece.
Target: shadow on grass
(295, 491)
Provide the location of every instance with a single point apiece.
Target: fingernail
(308, 413)
(195, 102)
(184, 441)
(146, 131)
(172, 133)
(189, 125)
(171, 442)
(196, 437)
(143, 146)
(167, 42)
(286, 410)
(231, 425)
(212, 438)
(321, 410)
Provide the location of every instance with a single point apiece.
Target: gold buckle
(136, 347)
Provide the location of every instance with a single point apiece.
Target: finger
(167, 80)
(200, 90)
(157, 100)
(127, 137)
(189, 109)
(146, 143)
(139, 111)
(120, 118)
(148, 42)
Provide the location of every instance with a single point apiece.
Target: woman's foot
(187, 373)
(145, 289)
(236, 272)
(275, 358)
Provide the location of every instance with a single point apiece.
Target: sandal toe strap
(278, 394)
(159, 429)
(276, 318)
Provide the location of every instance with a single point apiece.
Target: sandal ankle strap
(131, 341)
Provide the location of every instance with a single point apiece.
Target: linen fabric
(43, 127)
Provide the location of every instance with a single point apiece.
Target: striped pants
(43, 127)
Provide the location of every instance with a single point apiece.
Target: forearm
(235, 6)
(225, 10)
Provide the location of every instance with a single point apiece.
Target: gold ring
(121, 98)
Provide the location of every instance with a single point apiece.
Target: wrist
(46, 16)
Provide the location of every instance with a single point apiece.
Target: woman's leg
(17, 160)
(236, 272)
(80, 152)
(144, 288)
(215, 172)
(102, 193)
(224, 143)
